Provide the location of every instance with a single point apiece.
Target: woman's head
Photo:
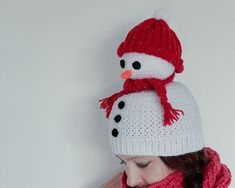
(145, 170)
(153, 115)
(136, 129)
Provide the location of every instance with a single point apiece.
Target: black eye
(122, 63)
(122, 162)
(136, 65)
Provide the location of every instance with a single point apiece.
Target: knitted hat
(150, 100)
(154, 37)
(136, 126)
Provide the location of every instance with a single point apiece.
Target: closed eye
(143, 165)
(139, 165)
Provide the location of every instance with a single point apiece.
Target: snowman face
(139, 65)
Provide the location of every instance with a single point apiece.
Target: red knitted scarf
(137, 85)
(216, 175)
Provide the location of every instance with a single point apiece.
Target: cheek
(155, 172)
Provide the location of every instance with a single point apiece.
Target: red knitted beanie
(154, 37)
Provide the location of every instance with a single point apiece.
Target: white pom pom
(161, 13)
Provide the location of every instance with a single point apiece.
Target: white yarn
(151, 66)
(141, 130)
(161, 13)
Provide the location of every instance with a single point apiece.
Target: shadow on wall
(108, 69)
(88, 129)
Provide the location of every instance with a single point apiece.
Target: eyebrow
(128, 158)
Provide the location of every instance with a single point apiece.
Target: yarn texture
(136, 85)
(137, 127)
(154, 37)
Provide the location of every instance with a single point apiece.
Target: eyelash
(139, 165)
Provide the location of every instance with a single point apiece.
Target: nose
(126, 74)
(134, 178)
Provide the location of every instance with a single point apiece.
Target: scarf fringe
(107, 103)
(170, 114)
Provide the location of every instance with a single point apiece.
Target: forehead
(131, 157)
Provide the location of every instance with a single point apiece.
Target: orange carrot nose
(126, 74)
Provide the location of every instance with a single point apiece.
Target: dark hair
(192, 165)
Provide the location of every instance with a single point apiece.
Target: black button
(122, 63)
(136, 65)
(121, 105)
(117, 118)
(115, 132)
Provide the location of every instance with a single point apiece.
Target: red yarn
(216, 175)
(137, 85)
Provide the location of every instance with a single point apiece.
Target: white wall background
(57, 58)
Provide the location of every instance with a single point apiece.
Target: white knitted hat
(153, 115)
(136, 124)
